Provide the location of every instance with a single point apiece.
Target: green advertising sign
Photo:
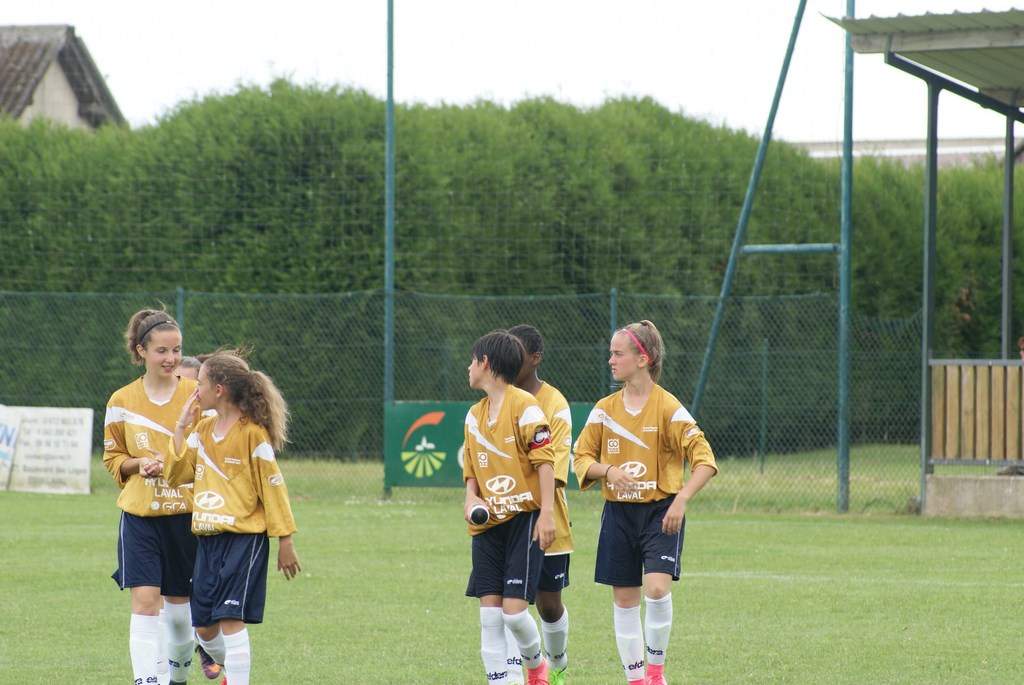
(423, 442)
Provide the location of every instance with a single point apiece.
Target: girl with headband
(636, 442)
(155, 546)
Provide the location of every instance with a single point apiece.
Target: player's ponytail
(266, 406)
(253, 392)
(141, 325)
(650, 345)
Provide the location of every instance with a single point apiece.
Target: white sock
(162, 671)
(524, 628)
(178, 639)
(144, 646)
(658, 627)
(629, 636)
(237, 658)
(492, 645)
(214, 647)
(556, 639)
(513, 659)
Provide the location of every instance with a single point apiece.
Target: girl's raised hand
(190, 413)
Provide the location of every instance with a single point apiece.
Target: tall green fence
(770, 408)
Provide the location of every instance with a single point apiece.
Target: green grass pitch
(765, 597)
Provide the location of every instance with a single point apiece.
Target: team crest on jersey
(481, 459)
(613, 445)
(142, 441)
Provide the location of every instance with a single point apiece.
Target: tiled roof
(26, 52)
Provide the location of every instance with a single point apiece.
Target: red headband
(636, 341)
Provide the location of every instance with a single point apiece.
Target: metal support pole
(1009, 156)
(748, 203)
(928, 284)
(389, 231)
(179, 308)
(613, 325)
(791, 248)
(762, 442)
(845, 278)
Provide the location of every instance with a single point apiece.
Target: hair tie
(636, 341)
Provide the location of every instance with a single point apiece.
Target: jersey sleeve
(180, 467)
(561, 443)
(535, 436)
(587, 451)
(115, 452)
(272, 491)
(689, 440)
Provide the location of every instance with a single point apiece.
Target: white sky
(716, 59)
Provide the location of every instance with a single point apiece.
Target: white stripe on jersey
(122, 415)
(475, 432)
(682, 415)
(209, 462)
(564, 415)
(533, 414)
(263, 451)
(474, 429)
(601, 416)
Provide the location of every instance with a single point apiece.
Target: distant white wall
(55, 100)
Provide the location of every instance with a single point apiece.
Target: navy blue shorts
(631, 544)
(507, 560)
(156, 551)
(554, 573)
(230, 580)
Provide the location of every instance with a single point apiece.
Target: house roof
(26, 52)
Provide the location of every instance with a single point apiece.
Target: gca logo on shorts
(501, 485)
(209, 500)
(635, 469)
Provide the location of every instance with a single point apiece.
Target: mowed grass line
(764, 598)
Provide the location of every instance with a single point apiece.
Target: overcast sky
(718, 60)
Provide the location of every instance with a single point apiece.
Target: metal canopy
(981, 49)
(985, 51)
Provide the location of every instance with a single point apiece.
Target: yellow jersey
(238, 485)
(554, 406)
(503, 456)
(134, 427)
(651, 446)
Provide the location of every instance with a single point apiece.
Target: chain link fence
(769, 410)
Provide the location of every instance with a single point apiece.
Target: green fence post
(762, 441)
(389, 233)
(613, 325)
(179, 308)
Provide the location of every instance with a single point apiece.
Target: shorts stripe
(529, 539)
(248, 572)
(120, 527)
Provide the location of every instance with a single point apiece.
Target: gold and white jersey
(135, 427)
(503, 456)
(651, 445)
(238, 484)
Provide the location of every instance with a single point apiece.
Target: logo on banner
(423, 460)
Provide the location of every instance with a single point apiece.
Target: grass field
(765, 598)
